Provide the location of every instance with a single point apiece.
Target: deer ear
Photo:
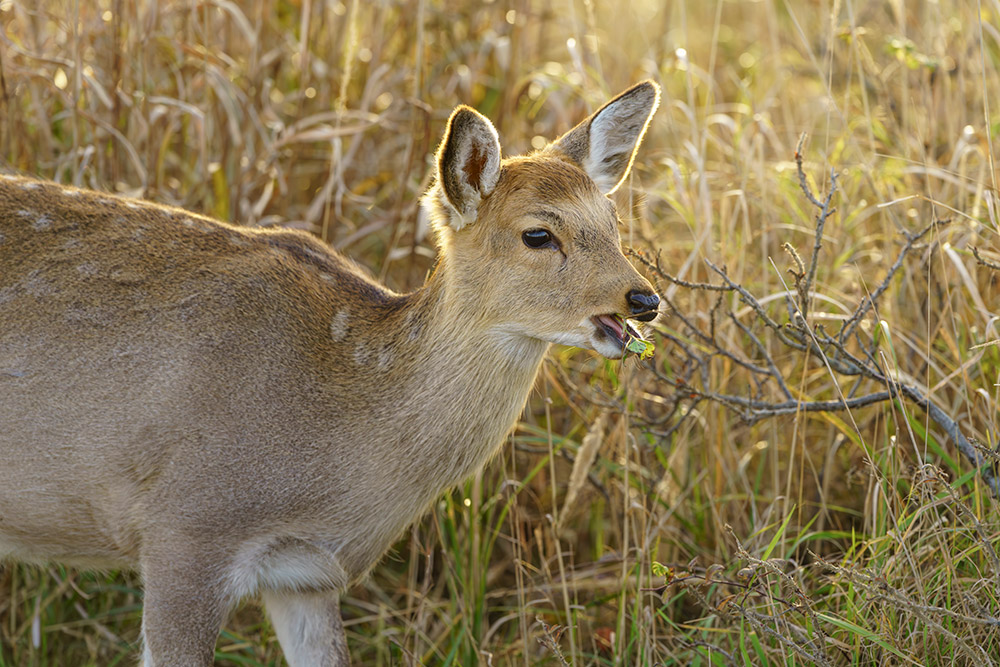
(604, 145)
(468, 164)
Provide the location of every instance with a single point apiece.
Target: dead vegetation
(805, 473)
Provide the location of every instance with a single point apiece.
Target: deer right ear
(468, 164)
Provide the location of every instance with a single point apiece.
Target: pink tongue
(614, 323)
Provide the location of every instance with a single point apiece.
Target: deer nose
(643, 305)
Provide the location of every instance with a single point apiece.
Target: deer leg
(184, 608)
(309, 627)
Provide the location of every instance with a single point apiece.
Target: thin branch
(866, 304)
(757, 410)
(796, 334)
(805, 286)
(745, 296)
(655, 267)
(803, 183)
(951, 428)
(985, 262)
(773, 370)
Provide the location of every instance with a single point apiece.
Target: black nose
(643, 305)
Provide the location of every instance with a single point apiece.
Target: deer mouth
(616, 331)
(617, 328)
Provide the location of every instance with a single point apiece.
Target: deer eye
(538, 238)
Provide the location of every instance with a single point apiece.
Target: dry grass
(828, 537)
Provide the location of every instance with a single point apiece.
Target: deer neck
(459, 382)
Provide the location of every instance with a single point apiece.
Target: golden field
(805, 471)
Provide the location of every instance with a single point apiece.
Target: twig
(550, 639)
(835, 351)
(949, 426)
(968, 515)
(757, 410)
(655, 266)
(879, 590)
(985, 262)
(773, 370)
(694, 643)
(805, 286)
(867, 304)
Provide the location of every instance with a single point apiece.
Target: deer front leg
(309, 628)
(184, 608)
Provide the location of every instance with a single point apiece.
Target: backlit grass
(695, 538)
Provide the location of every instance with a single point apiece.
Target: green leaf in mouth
(641, 347)
(633, 343)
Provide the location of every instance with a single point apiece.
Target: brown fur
(234, 411)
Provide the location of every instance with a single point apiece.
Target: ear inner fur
(468, 164)
(474, 166)
(604, 145)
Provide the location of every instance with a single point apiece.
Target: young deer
(236, 411)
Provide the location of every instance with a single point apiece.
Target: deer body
(227, 351)
(236, 412)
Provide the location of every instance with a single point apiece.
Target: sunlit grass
(716, 543)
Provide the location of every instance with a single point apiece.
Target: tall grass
(691, 536)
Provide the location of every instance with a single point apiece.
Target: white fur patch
(384, 357)
(293, 571)
(277, 566)
(339, 325)
(87, 269)
(200, 224)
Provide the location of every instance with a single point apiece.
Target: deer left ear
(468, 164)
(604, 145)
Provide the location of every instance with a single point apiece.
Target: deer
(237, 412)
